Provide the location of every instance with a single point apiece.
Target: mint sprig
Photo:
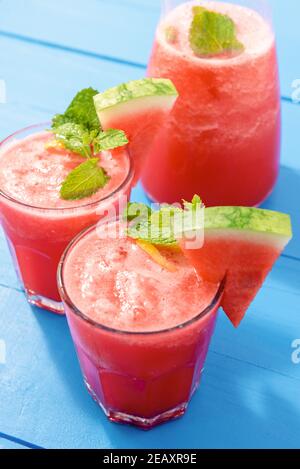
(213, 33)
(164, 226)
(79, 131)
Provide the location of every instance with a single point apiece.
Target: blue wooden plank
(8, 444)
(17, 116)
(109, 28)
(285, 198)
(288, 41)
(125, 29)
(46, 79)
(270, 326)
(290, 132)
(8, 277)
(250, 382)
(12, 442)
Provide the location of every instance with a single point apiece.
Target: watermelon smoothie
(140, 330)
(222, 138)
(37, 222)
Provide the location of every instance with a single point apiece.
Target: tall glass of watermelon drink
(141, 330)
(222, 138)
(37, 222)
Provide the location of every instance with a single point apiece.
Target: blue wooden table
(250, 394)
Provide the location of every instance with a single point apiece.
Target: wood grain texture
(290, 135)
(49, 50)
(47, 79)
(8, 444)
(285, 198)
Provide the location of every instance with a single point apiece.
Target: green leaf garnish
(79, 131)
(212, 33)
(84, 181)
(165, 226)
(110, 139)
(81, 111)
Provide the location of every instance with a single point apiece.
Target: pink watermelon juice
(141, 331)
(224, 129)
(37, 222)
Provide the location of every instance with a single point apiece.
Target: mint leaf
(81, 111)
(165, 226)
(75, 138)
(109, 140)
(212, 33)
(84, 181)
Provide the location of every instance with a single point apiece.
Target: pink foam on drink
(115, 283)
(32, 174)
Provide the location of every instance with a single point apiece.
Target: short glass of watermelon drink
(37, 222)
(224, 129)
(141, 329)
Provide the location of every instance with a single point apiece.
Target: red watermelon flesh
(141, 127)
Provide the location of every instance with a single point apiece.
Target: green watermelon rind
(132, 90)
(248, 219)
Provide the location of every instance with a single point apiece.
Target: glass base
(44, 303)
(143, 423)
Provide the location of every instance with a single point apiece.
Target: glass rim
(128, 178)
(67, 300)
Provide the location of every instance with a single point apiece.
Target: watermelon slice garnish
(139, 108)
(242, 244)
